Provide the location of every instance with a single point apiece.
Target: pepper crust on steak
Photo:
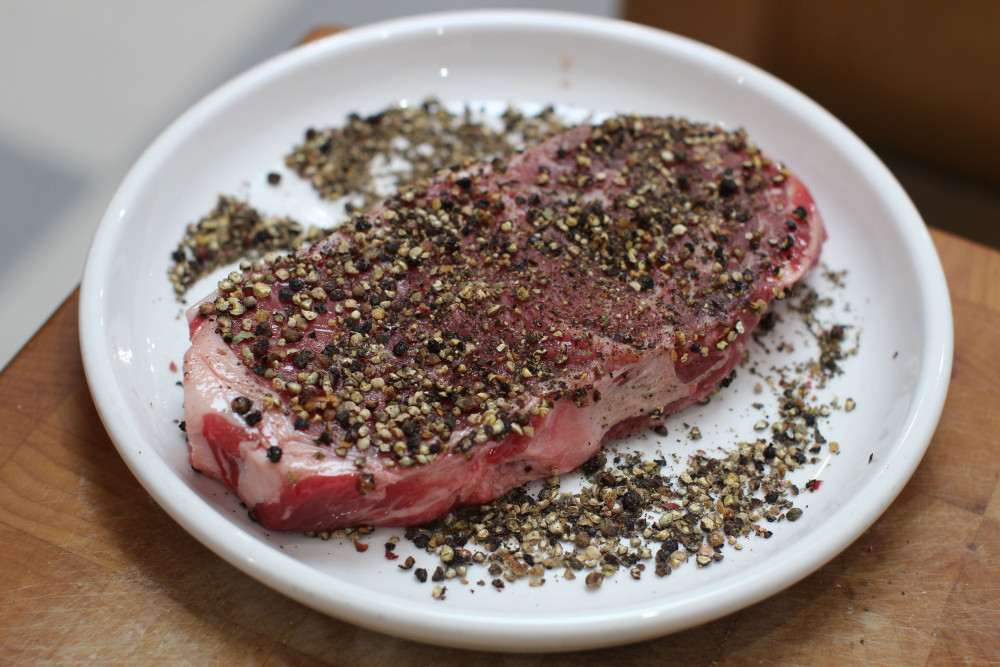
(493, 325)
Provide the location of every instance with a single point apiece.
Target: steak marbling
(492, 326)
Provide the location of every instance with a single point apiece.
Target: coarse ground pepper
(411, 143)
(232, 232)
(629, 514)
(342, 161)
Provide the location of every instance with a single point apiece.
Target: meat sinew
(494, 325)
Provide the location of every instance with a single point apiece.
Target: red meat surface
(494, 325)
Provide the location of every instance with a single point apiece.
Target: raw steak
(494, 325)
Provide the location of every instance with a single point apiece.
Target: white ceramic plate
(132, 329)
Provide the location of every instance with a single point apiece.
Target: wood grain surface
(94, 571)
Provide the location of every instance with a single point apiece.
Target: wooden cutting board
(94, 571)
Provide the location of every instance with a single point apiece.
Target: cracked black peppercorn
(241, 405)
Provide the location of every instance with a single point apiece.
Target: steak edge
(494, 325)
